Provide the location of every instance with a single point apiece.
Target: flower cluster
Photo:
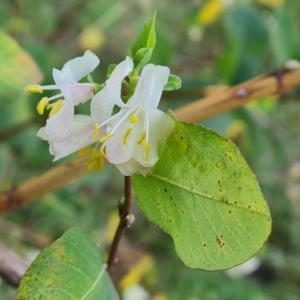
(129, 138)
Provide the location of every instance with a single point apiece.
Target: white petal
(79, 135)
(60, 122)
(102, 106)
(59, 78)
(114, 82)
(160, 127)
(77, 68)
(115, 151)
(150, 86)
(131, 167)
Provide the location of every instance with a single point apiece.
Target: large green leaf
(18, 69)
(71, 268)
(204, 195)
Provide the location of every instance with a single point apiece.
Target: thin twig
(34, 188)
(126, 219)
(257, 88)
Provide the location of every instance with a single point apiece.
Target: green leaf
(71, 268)
(205, 196)
(110, 70)
(146, 38)
(141, 57)
(174, 83)
(18, 69)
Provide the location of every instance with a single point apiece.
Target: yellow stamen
(99, 163)
(34, 88)
(92, 160)
(143, 135)
(106, 137)
(84, 150)
(49, 105)
(102, 151)
(42, 105)
(133, 119)
(128, 131)
(96, 131)
(146, 146)
(56, 108)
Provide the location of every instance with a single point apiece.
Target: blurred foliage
(206, 43)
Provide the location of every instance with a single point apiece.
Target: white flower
(130, 138)
(81, 133)
(136, 131)
(73, 93)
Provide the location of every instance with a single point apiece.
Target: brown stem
(58, 176)
(216, 103)
(126, 219)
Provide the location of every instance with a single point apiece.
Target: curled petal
(60, 122)
(150, 86)
(77, 68)
(114, 82)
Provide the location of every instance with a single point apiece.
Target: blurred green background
(206, 43)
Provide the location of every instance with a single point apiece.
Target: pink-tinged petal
(77, 68)
(60, 122)
(78, 92)
(149, 87)
(114, 83)
(79, 135)
(102, 106)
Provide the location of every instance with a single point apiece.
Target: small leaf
(18, 69)
(174, 83)
(146, 38)
(141, 57)
(110, 70)
(205, 196)
(71, 268)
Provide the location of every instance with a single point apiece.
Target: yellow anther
(133, 119)
(106, 137)
(146, 146)
(96, 131)
(143, 135)
(56, 108)
(34, 88)
(42, 105)
(128, 131)
(84, 150)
